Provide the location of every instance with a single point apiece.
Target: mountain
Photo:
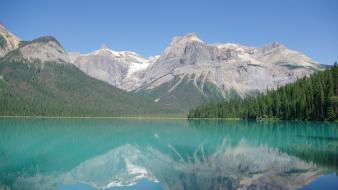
(191, 72)
(38, 79)
(121, 69)
(309, 98)
(8, 41)
(39, 51)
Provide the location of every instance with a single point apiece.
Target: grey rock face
(226, 68)
(73, 56)
(120, 69)
(188, 72)
(44, 49)
(230, 67)
(8, 41)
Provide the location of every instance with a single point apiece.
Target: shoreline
(120, 117)
(151, 118)
(92, 117)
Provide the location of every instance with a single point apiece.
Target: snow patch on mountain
(122, 69)
(228, 67)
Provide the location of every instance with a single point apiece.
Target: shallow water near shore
(166, 154)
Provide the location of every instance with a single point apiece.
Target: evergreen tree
(309, 98)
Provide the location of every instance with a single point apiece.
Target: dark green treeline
(309, 98)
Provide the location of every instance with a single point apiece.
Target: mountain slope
(8, 41)
(309, 98)
(190, 72)
(182, 93)
(228, 69)
(36, 79)
(121, 69)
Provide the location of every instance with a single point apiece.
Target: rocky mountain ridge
(37, 79)
(44, 49)
(212, 71)
(8, 41)
(188, 73)
(121, 69)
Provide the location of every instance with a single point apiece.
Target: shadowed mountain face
(190, 72)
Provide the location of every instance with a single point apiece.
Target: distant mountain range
(188, 73)
(37, 78)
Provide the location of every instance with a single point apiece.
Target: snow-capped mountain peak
(190, 71)
(115, 67)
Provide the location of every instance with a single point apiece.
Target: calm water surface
(166, 154)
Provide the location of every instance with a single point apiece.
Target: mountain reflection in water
(177, 154)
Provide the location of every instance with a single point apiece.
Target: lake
(124, 154)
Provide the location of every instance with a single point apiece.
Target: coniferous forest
(309, 98)
(53, 89)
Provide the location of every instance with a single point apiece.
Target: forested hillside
(309, 98)
(52, 89)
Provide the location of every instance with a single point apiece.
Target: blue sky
(147, 26)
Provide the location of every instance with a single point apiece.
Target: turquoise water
(166, 154)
